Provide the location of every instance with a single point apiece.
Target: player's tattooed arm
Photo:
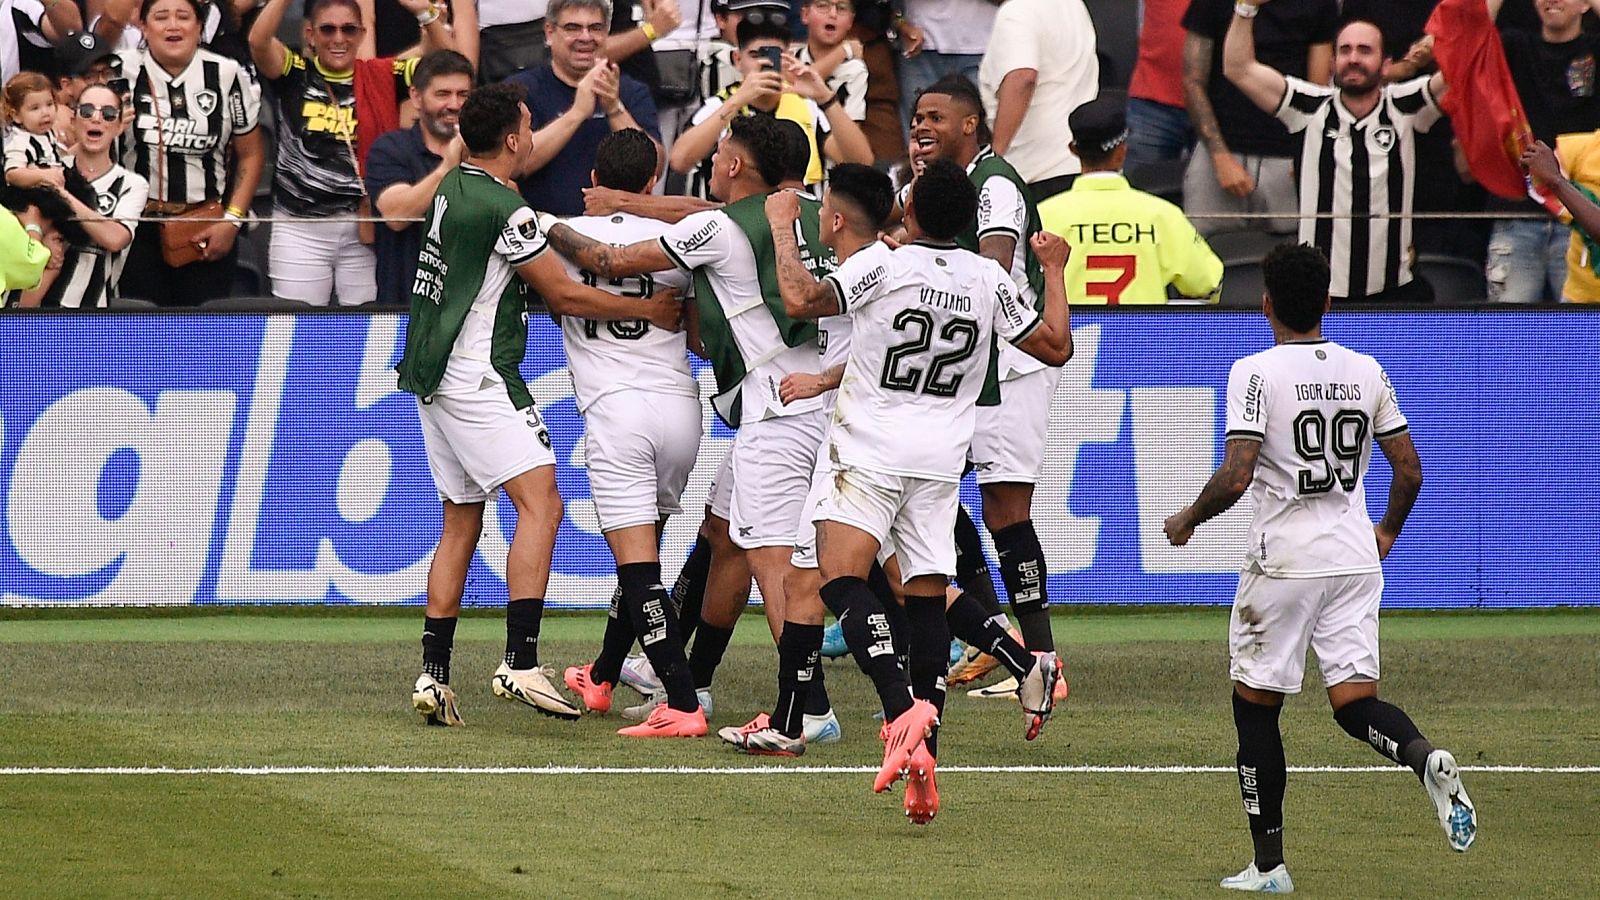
(804, 297)
(1226, 486)
(603, 201)
(566, 297)
(602, 258)
(1404, 485)
(805, 385)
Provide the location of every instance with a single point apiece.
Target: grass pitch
(210, 688)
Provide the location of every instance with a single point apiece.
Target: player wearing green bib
(466, 338)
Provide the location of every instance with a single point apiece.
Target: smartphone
(771, 57)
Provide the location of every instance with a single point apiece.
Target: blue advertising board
(194, 458)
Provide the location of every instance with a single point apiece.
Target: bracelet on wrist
(429, 17)
(1245, 10)
(829, 103)
(650, 33)
(34, 230)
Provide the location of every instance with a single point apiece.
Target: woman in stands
(195, 141)
(90, 269)
(331, 107)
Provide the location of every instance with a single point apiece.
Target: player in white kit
(925, 321)
(751, 342)
(1301, 419)
(641, 410)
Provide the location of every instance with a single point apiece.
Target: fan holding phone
(775, 84)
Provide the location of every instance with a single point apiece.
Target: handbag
(178, 233)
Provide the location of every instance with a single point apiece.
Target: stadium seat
(1243, 246)
(131, 303)
(1454, 279)
(1164, 179)
(1242, 285)
(254, 304)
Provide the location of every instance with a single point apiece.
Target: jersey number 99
(1316, 436)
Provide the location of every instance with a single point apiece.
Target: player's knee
(1005, 505)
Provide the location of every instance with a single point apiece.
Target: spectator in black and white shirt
(28, 30)
(195, 140)
(91, 269)
(830, 50)
(1357, 154)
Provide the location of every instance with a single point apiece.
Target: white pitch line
(253, 771)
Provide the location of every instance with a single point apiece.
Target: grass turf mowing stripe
(257, 771)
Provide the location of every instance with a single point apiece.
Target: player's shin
(799, 650)
(438, 639)
(878, 580)
(969, 623)
(972, 569)
(689, 591)
(866, 631)
(1263, 774)
(1387, 729)
(930, 654)
(1023, 571)
(646, 602)
(523, 619)
(614, 646)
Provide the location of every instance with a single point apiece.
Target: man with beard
(1356, 156)
(405, 167)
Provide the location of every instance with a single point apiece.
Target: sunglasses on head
(348, 29)
(107, 113)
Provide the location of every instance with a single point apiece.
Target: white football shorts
(719, 495)
(1275, 620)
(772, 462)
(917, 515)
(479, 441)
(640, 448)
(805, 540)
(1008, 444)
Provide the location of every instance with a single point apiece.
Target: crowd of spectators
(153, 147)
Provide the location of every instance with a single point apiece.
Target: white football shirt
(604, 357)
(925, 318)
(1316, 408)
(712, 241)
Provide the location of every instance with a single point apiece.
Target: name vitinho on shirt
(944, 300)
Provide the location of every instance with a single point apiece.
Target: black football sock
(818, 703)
(523, 618)
(614, 646)
(930, 654)
(899, 628)
(1388, 729)
(799, 648)
(647, 604)
(710, 643)
(968, 623)
(866, 631)
(972, 569)
(438, 638)
(689, 591)
(1262, 777)
(1022, 569)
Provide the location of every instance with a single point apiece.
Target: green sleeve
(22, 259)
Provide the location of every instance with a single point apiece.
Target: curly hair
(1296, 277)
(943, 200)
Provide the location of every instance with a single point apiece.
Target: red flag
(1482, 101)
